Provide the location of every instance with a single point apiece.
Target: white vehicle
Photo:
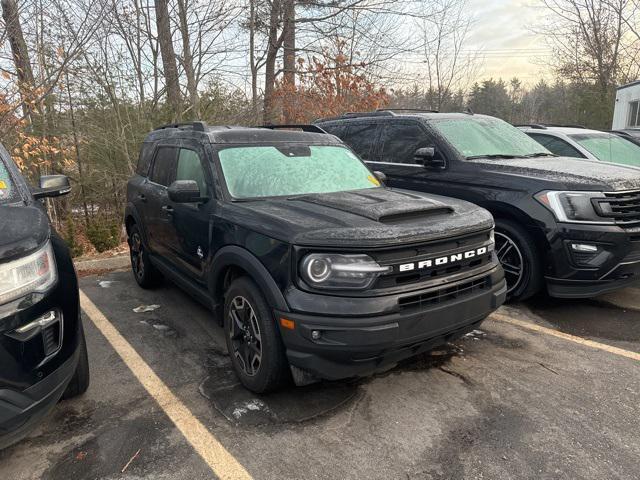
(626, 114)
(580, 142)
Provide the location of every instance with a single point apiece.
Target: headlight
(573, 207)
(340, 271)
(34, 273)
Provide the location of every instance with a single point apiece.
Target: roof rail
(560, 125)
(304, 128)
(536, 126)
(196, 126)
(417, 110)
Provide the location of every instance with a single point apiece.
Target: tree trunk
(168, 58)
(270, 114)
(289, 61)
(187, 59)
(252, 58)
(26, 82)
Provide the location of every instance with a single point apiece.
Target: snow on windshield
(610, 148)
(485, 136)
(267, 171)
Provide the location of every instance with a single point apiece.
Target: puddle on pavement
(291, 405)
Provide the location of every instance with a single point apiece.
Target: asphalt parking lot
(549, 389)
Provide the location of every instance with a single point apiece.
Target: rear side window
(190, 168)
(361, 138)
(144, 160)
(164, 166)
(556, 145)
(401, 140)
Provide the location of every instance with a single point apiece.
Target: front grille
(443, 295)
(623, 207)
(414, 254)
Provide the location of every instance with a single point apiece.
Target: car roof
(568, 130)
(399, 114)
(227, 134)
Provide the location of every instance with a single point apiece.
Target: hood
(24, 229)
(568, 173)
(374, 217)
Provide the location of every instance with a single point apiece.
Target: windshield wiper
(492, 155)
(540, 154)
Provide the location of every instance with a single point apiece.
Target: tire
(514, 245)
(251, 336)
(80, 381)
(146, 275)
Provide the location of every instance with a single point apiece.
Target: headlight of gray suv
(573, 207)
(33, 273)
(334, 271)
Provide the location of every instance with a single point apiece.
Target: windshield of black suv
(8, 191)
(269, 171)
(486, 137)
(609, 148)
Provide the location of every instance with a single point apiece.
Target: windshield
(476, 137)
(257, 171)
(610, 148)
(8, 191)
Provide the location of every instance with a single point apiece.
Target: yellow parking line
(572, 338)
(221, 462)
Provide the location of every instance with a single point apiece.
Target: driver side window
(401, 140)
(189, 167)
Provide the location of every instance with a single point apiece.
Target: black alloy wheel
(511, 259)
(244, 333)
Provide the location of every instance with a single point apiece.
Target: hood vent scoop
(381, 205)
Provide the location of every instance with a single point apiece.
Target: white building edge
(626, 113)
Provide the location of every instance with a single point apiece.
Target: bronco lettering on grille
(445, 260)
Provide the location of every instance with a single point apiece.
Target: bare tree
(21, 58)
(165, 40)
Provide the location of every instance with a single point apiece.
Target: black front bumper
(350, 346)
(36, 366)
(573, 275)
(20, 412)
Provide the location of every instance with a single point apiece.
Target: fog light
(42, 322)
(584, 248)
(315, 334)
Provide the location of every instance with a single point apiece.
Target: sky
(502, 36)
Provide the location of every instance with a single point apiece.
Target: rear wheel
(144, 272)
(517, 253)
(253, 340)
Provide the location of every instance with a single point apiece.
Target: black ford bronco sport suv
(314, 268)
(570, 224)
(43, 355)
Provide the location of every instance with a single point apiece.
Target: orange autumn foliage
(325, 90)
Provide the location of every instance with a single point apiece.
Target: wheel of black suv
(253, 340)
(518, 255)
(144, 272)
(80, 381)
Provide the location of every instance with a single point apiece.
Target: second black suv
(306, 259)
(570, 224)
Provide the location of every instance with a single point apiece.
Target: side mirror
(185, 191)
(426, 156)
(381, 176)
(52, 186)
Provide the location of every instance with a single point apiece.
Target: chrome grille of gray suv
(623, 207)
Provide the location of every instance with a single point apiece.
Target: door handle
(167, 208)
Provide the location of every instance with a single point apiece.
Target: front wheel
(517, 253)
(253, 341)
